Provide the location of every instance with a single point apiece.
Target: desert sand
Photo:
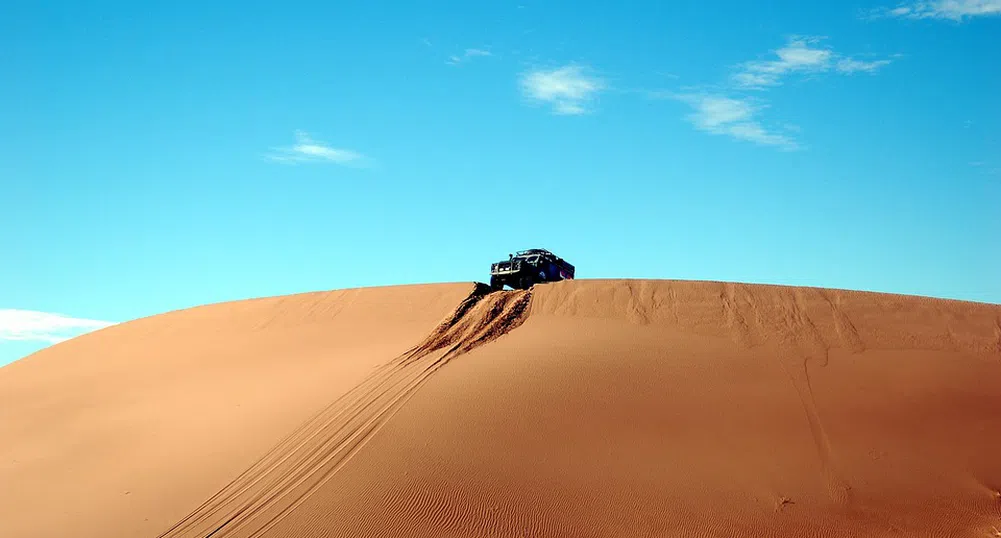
(588, 408)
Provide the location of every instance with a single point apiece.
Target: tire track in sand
(301, 462)
(813, 348)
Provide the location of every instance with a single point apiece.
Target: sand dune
(585, 408)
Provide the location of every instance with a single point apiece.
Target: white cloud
(725, 112)
(848, 65)
(468, 55)
(799, 55)
(737, 118)
(567, 89)
(308, 150)
(956, 10)
(29, 325)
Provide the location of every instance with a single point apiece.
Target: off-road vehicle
(529, 267)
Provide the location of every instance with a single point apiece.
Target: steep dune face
(585, 408)
(301, 464)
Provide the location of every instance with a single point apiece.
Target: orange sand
(585, 408)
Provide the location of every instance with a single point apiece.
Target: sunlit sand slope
(123, 431)
(584, 408)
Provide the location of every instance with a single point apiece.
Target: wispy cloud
(796, 56)
(29, 325)
(955, 10)
(799, 55)
(985, 168)
(568, 89)
(727, 110)
(848, 65)
(734, 117)
(306, 149)
(468, 55)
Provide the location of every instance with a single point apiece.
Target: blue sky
(157, 157)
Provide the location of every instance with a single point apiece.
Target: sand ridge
(584, 408)
(754, 315)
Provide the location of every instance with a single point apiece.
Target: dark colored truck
(529, 267)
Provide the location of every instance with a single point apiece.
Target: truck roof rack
(534, 251)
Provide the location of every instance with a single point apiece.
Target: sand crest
(584, 408)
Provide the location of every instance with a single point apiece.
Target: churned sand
(621, 408)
